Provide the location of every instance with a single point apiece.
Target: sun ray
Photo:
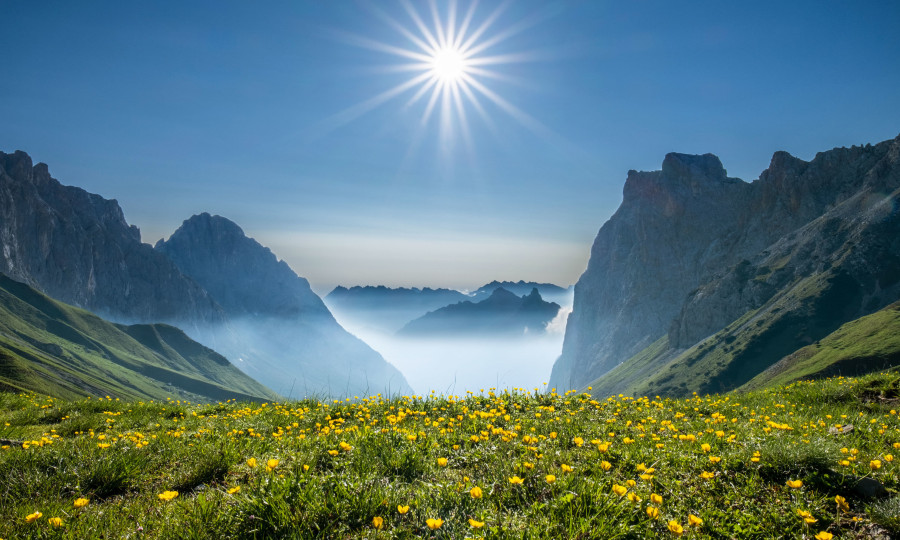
(484, 26)
(405, 32)
(420, 24)
(438, 26)
(464, 27)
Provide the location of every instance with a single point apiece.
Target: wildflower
(794, 484)
(619, 490)
(33, 517)
(889, 458)
(305, 468)
(676, 527)
(378, 522)
(332, 452)
(653, 512)
(605, 465)
(705, 447)
(345, 447)
(167, 495)
(434, 523)
(633, 497)
(578, 441)
(844, 462)
(566, 468)
(714, 459)
(475, 524)
(631, 483)
(647, 477)
(875, 464)
(475, 492)
(550, 478)
(402, 509)
(694, 521)
(251, 462)
(516, 480)
(824, 535)
(80, 502)
(271, 464)
(706, 475)
(603, 447)
(442, 462)
(55, 522)
(656, 499)
(842, 503)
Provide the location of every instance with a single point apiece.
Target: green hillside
(56, 349)
(870, 343)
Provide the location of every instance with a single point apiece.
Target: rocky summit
(696, 266)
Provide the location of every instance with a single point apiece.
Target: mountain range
(221, 287)
(503, 313)
(700, 282)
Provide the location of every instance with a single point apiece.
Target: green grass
(56, 349)
(341, 464)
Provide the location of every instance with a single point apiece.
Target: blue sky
(257, 112)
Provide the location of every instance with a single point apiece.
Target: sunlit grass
(506, 465)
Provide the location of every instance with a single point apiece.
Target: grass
(349, 469)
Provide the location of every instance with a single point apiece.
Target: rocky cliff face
(76, 246)
(690, 250)
(279, 331)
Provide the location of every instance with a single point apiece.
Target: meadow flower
(656, 499)
(167, 495)
(516, 480)
(619, 490)
(714, 459)
(889, 458)
(333, 452)
(794, 484)
(676, 527)
(251, 462)
(550, 478)
(434, 523)
(33, 517)
(80, 502)
(475, 524)
(271, 464)
(578, 441)
(653, 512)
(633, 497)
(402, 509)
(842, 503)
(694, 521)
(824, 535)
(707, 475)
(235, 489)
(566, 468)
(378, 522)
(875, 464)
(55, 522)
(605, 465)
(705, 447)
(475, 492)
(442, 462)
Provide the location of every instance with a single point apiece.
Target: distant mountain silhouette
(501, 314)
(388, 309)
(549, 291)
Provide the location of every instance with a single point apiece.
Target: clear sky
(295, 119)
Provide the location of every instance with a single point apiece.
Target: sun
(450, 57)
(449, 65)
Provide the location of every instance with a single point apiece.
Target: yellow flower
(305, 468)
(706, 475)
(647, 477)
(80, 502)
(875, 464)
(55, 522)
(844, 462)
(676, 527)
(633, 497)
(345, 447)
(605, 465)
(656, 499)
(550, 478)
(705, 447)
(653, 512)
(694, 521)
(516, 480)
(603, 447)
(475, 492)
(234, 490)
(333, 452)
(842, 503)
(442, 462)
(378, 522)
(476, 524)
(271, 464)
(566, 468)
(402, 509)
(714, 459)
(888, 458)
(434, 523)
(32, 517)
(167, 495)
(251, 462)
(619, 490)
(794, 484)
(578, 441)
(824, 535)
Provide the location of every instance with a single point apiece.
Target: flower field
(774, 463)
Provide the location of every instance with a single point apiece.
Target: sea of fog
(454, 365)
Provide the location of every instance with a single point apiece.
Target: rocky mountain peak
(693, 168)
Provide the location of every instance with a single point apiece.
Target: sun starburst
(451, 61)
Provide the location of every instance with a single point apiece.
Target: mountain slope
(501, 314)
(279, 331)
(56, 349)
(733, 275)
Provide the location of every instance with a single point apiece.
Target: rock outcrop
(690, 250)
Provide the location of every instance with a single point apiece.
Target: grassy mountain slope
(869, 343)
(53, 348)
